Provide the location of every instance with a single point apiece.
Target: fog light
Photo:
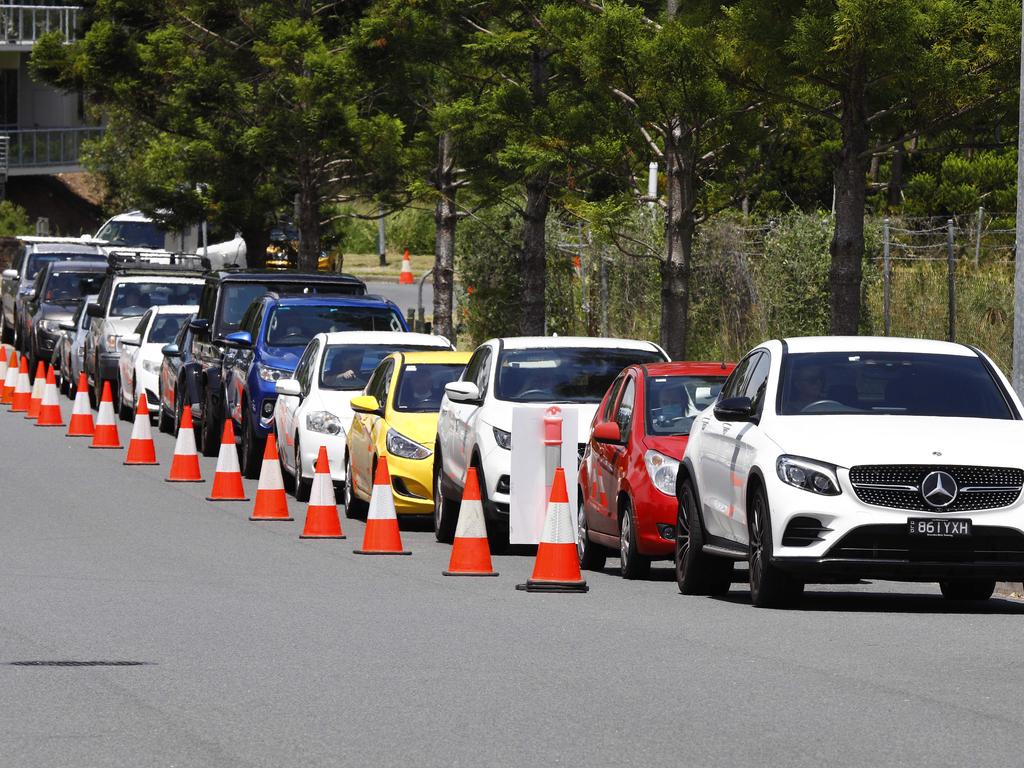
(268, 408)
(667, 531)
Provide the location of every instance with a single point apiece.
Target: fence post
(951, 285)
(886, 275)
(604, 294)
(977, 240)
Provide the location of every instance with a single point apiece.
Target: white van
(135, 230)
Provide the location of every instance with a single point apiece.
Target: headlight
(810, 475)
(49, 326)
(402, 446)
(271, 374)
(153, 366)
(111, 342)
(503, 439)
(662, 470)
(325, 422)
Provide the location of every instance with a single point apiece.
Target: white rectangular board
(527, 505)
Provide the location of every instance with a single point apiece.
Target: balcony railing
(24, 24)
(48, 148)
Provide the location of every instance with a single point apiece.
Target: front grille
(897, 486)
(987, 544)
(803, 531)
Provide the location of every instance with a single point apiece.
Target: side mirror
(462, 392)
(131, 340)
(30, 294)
(238, 339)
(288, 387)
(198, 323)
(170, 350)
(94, 310)
(367, 404)
(67, 326)
(9, 274)
(734, 409)
(607, 432)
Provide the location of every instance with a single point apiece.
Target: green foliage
(487, 263)
(962, 183)
(14, 220)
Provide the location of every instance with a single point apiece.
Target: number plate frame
(939, 528)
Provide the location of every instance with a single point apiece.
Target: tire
(770, 587)
(964, 589)
(697, 573)
(124, 412)
(33, 361)
(592, 556)
(97, 391)
(446, 513)
(252, 448)
(355, 508)
(286, 476)
(632, 564)
(210, 434)
(8, 335)
(179, 412)
(497, 530)
(302, 485)
(164, 422)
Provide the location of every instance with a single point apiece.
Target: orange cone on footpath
(405, 276)
(81, 424)
(141, 449)
(22, 390)
(271, 502)
(185, 464)
(10, 379)
(105, 435)
(227, 480)
(36, 395)
(382, 536)
(322, 521)
(471, 553)
(557, 567)
(49, 409)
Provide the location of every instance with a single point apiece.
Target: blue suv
(272, 336)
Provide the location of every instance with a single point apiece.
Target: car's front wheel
(632, 565)
(252, 447)
(302, 485)
(124, 410)
(770, 587)
(446, 513)
(592, 556)
(964, 589)
(210, 437)
(697, 573)
(354, 506)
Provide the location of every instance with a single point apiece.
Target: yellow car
(396, 416)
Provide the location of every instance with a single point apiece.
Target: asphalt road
(405, 296)
(263, 650)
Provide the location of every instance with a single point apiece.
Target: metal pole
(604, 295)
(419, 297)
(977, 235)
(951, 284)
(381, 252)
(886, 276)
(1018, 270)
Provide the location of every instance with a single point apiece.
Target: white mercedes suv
(834, 459)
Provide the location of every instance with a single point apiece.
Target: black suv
(226, 295)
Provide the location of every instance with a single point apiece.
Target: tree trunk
(847, 248)
(679, 229)
(257, 238)
(533, 259)
(445, 220)
(308, 214)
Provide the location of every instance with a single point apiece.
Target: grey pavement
(264, 650)
(405, 296)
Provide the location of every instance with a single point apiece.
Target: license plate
(942, 529)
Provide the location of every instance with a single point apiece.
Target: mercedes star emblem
(939, 489)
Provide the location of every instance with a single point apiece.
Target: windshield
(900, 383)
(235, 297)
(69, 287)
(348, 366)
(563, 375)
(294, 326)
(39, 260)
(421, 387)
(674, 401)
(133, 299)
(143, 234)
(165, 328)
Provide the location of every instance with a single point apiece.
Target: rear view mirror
(607, 432)
(131, 340)
(94, 310)
(289, 387)
(734, 409)
(67, 326)
(462, 392)
(170, 350)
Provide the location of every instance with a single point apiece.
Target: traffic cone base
(382, 536)
(227, 480)
(271, 501)
(49, 409)
(471, 551)
(557, 567)
(81, 423)
(322, 520)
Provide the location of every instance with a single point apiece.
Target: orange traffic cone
(381, 536)
(141, 449)
(81, 424)
(105, 434)
(271, 502)
(49, 409)
(557, 567)
(36, 395)
(471, 554)
(322, 521)
(3, 361)
(185, 464)
(22, 390)
(405, 276)
(10, 380)
(227, 480)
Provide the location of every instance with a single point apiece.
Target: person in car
(673, 403)
(344, 367)
(808, 386)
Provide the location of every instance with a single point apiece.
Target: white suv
(838, 458)
(474, 426)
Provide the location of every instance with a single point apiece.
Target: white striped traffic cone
(22, 390)
(322, 521)
(271, 501)
(405, 276)
(81, 424)
(382, 536)
(227, 481)
(35, 399)
(141, 449)
(185, 464)
(49, 409)
(105, 435)
(557, 567)
(471, 552)
(10, 380)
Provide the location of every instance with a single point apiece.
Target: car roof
(332, 299)
(155, 277)
(435, 358)
(76, 266)
(283, 276)
(65, 246)
(802, 344)
(684, 368)
(130, 216)
(383, 337)
(175, 309)
(586, 342)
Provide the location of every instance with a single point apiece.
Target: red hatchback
(627, 480)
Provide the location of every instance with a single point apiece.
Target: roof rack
(146, 260)
(64, 240)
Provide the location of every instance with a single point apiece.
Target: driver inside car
(808, 386)
(673, 403)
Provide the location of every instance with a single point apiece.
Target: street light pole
(1018, 270)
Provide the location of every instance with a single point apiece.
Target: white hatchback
(836, 458)
(313, 409)
(141, 356)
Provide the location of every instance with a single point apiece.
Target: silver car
(69, 352)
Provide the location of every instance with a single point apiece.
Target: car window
(133, 299)
(165, 328)
(306, 379)
(613, 395)
(208, 301)
(757, 385)
(141, 327)
(381, 383)
(624, 413)
(373, 383)
(564, 374)
(295, 324)
(421, 387)
(673, 402)
(472, 371)
(735, 384)
(483, 372)
(66, 287)
(246, 323)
